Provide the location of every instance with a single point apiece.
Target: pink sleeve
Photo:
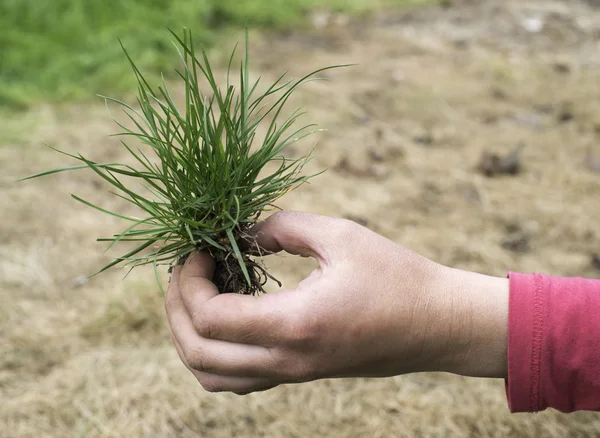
(553, 343)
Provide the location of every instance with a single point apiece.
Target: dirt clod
(376, 171)
(498, 93)
(518, 243)
(376, 155)
(492, 164)
(565, 113)
(562, 68)
(596, 260)
(425, 139)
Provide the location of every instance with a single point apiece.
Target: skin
(371, 309)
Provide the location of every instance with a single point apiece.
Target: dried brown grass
(432, 91)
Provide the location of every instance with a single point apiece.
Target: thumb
(305, 234)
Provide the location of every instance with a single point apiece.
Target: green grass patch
(57, 50)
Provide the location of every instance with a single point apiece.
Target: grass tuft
(203, 181)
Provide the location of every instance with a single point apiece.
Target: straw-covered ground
(434, 89)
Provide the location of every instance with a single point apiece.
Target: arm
(371, 309)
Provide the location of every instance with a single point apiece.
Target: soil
(433, 90)
(228, 276)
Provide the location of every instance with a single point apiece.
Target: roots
(229, 277)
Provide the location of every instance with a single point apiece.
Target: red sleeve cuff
(524, 341)
(553, 343)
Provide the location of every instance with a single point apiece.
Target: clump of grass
(205, 187)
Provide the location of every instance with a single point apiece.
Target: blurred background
(468, 131)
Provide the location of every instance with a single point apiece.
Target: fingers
(194, 284)
(195, 277)
(245, 319)
(216, 383)
(210, 355)
(238, 385)
(298, 233)
(177, 314)
(196, 308)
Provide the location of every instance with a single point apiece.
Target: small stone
(565, 112)
(565, 116)
(343, 165)
(533, 24)
(395, 151)
(498, 94)
(461, 43)
(518, 244)
(79, 281)
(562, 68)
(376, 155)
(489, 164)
(492, 164)
(511, 164)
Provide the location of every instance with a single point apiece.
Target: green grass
(207, 189)
(57, 50)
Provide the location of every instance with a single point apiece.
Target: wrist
(478, 329)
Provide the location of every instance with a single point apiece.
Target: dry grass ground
(433, 90)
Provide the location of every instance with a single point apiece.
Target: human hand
(371, 309)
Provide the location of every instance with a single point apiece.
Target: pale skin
(372, 308)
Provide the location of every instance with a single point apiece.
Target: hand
(371, 309)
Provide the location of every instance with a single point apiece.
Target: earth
(468, 132)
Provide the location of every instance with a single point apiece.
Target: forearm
(478, 346)
(539, 333)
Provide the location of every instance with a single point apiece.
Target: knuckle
(276, 218)
(285, 219)
(198, 360)
(206, 328)
(304, 328)
(303, 333)
(303, 370)
(203, 324)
